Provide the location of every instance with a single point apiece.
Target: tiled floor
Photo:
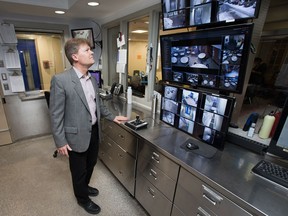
(33, 183)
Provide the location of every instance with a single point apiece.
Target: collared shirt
(89, 93)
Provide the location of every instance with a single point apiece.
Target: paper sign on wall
(120, 40)
(17, 84)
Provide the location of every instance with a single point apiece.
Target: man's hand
(119, 119)
(64, 150)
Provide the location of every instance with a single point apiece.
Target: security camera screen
(168, 117)
(230, 10)
(213, 59)
(215, 104)
(202, 115)
(186, 125)
(196, 56)
(170, 92)
(188, 112)
(174, 14)
(200, 14)
(169, 105)
(190, 97)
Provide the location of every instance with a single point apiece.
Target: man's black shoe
(90, 207)
(92, 191)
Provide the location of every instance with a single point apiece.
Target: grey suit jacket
(69, 111)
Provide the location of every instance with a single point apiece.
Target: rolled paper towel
(267, 126)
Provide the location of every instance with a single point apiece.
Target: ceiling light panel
(93, 4)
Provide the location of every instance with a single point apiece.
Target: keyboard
(272, 172)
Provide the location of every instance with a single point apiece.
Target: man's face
(84, 56)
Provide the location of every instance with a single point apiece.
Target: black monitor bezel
(193, 36)
(273, 147)
(214, 22)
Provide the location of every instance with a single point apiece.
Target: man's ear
(75, 57)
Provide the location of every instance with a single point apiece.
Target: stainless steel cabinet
(118, 152)
(194, 197)
(156, 180)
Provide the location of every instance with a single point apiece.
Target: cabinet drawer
(190, 204)
(106, 152)
(122, 137)
(119, 162)
(191, 188)
(158, 178)
(154, 202)
(158, 160)
(125, 166)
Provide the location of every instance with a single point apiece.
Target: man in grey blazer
(75, 111)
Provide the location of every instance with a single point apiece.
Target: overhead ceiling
(75, 9)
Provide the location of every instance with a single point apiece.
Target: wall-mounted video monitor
(214, 58)
(204, 116)
(189, 13)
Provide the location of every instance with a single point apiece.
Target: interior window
(137, 55)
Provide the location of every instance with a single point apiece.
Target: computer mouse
(192, 146)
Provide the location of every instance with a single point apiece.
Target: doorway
(29, 64)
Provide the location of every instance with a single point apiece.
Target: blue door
(29, 64)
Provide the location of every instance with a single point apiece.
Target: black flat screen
(214, 59)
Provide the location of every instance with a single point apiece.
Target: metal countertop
(228, 171)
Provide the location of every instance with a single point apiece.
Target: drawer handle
(209, 199)
(151, 192)
(211, 196)
(155, 157)
(121, 156)
(202, 212)
(153, 173)
(121, 136)
(109, 144)
(110, 127)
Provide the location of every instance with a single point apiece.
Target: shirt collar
(80, 75)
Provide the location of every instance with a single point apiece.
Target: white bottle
(267, 126)
(129, 95)
(251, 130)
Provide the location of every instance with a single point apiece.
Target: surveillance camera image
(169, 105)
(188, 112)
(186, 125)
(200, 14)
(190, 97)
(208, 135)
(192, 78)
(212, 120)
(170, 92)
(174, 13)
(215, 104)
(178, 77)
(236, 9)
(168, 117)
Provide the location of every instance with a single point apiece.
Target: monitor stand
(200, 148)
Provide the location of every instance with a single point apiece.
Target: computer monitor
(279, 145)
(202, 115)
(207, 13)
(213, 58)
(97, 75)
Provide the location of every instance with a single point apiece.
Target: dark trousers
(82, 165)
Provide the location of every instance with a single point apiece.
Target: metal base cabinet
(116, 151)
(195, 197)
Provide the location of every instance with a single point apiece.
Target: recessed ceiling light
(139, 31)
(93, 4)
(60, 12)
